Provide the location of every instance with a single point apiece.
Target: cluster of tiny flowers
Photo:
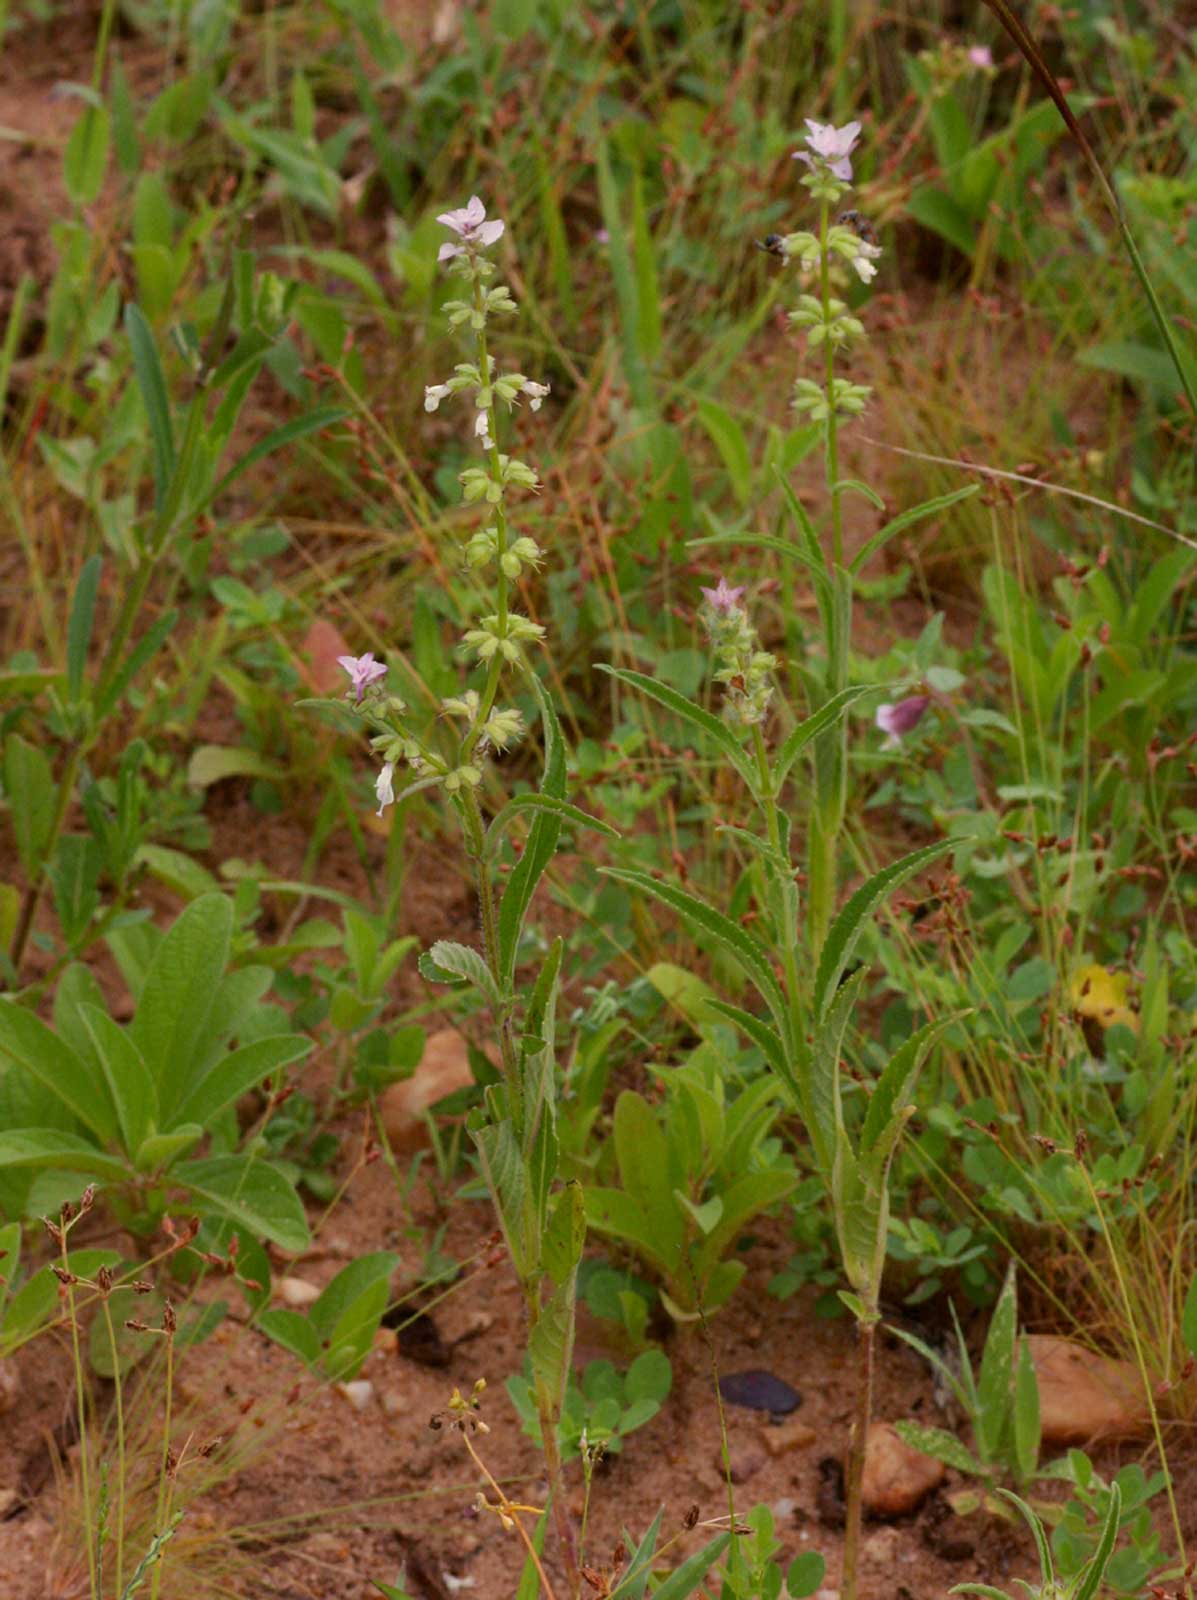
(500, 638)
(848, 242)
(744, 669)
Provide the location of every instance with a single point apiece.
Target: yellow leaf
(1101, 996)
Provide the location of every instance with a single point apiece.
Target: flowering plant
(801, 968)
(514, 1132)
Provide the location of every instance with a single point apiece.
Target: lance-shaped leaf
(550, 1347)
(995, 1381)
(504, 1171)
(703, 721)
(818, 722)
(448, 961)
(734, 940)
(35, 1049)
(847, 928)
(761, 1034)
(906, 519)
(819, 1097)
(940, 1445)
(562, 809)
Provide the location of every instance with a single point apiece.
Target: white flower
(863, 261)
(384, 787)
(470, 225)
(831, 145)
(434, 393)
(482, 430)
(538, 391)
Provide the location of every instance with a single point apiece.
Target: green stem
(833, 449)
(831, 750)
(866, 1334)
(120, 1448)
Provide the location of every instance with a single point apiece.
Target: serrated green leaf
(906, 519)
(705, 722)
(826, 717)
(847, 928)
(735, 941)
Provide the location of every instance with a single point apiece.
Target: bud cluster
(744, 669)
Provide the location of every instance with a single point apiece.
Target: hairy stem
(866, 1334)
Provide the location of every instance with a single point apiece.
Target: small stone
(8, 1499)
(827, 1594)
(744, 1462)
(897, 1477)
(783, 1437)
(444, 1069)
(759, 1391)
(359, 1393)
(881, 1548)
(10, 1384)
(1084, 1397)
(296, 1292)
(327, 1547)
(783, 1509)
(392, 1402)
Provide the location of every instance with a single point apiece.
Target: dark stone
(759, 1391)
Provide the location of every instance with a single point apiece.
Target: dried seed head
(87, 1199)
(169, 1321)
(140, 1286)
(690, 1520)
(63, 1275)
(104, 1280)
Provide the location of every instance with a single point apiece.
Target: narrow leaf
(713, 727)
(148, 371)
(83, 610)
(847, 928)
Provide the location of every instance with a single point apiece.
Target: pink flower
(831, 145)
(471, 227)
(723, 597)
(362, 670)
(981, 56)
(902, 718)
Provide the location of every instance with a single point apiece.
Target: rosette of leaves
(85, 1099)
(693, 1172)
